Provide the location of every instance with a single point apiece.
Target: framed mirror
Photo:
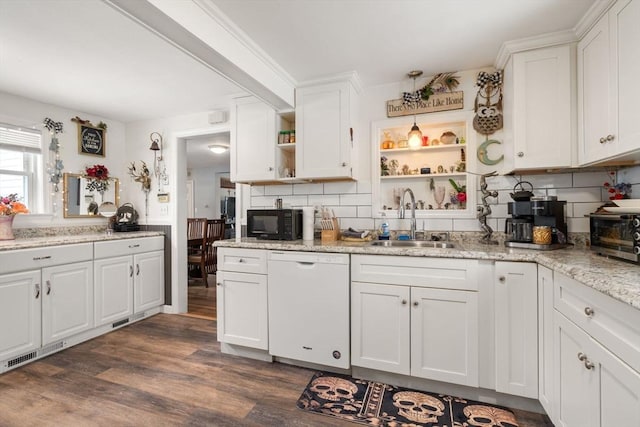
(83, 200)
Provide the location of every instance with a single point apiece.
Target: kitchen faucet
(413, 211)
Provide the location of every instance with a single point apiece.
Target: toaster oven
(616, 235)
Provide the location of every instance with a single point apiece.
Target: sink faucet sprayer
(413, 211)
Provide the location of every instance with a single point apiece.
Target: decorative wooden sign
(91, 140)
(444, 101)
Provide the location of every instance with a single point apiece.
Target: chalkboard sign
(91, 140)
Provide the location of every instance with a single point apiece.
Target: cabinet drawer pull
(133, 246)
(37, 290)
(38, 258)
(130, 270)
(137, 269)
(588, 311)
(241, 260)
(582, 357)
(48, 287)
(502, 279)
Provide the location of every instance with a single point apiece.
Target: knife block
(327, 236)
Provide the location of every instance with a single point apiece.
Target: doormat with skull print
(383, 405)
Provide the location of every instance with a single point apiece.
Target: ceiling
(86, 56)
(384, 39)
(199, 155)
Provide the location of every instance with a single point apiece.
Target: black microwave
(274, 224)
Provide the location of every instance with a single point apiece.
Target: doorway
(205, 199)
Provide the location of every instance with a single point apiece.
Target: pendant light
(415, 136)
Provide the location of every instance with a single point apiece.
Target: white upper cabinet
(540, 105)
(325, 114)
(608, 66)
(253, 133)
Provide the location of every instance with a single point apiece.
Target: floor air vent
(120, 323)
(51, 348)
(21, 359)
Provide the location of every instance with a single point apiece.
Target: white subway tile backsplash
(294, 201)
(324, 199)
(578, 225)
(590, 179)
(466, 225)
(257, 190)
(340, 187)
(437, 224)
(262, 202)
(355, 199)
(278, 190)
(550, 180)
(364, 187)
(344, 211)
(364, 212)
(630, 175)
(587, 194)
(308, 188)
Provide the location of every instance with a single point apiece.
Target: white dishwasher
(309, 307)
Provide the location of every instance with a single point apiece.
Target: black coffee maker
(535, 217)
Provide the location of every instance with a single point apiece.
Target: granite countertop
(68, 239)
(618, 279)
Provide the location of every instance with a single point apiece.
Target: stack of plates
(625, 206)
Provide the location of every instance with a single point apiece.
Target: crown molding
(595, 12)
(350, 76)
(543, 40)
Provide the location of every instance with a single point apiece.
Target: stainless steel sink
(413, 244)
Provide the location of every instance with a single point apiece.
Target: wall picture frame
(91, 140)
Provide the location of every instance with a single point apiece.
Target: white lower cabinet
(596, 353)
(424, 331)
(148, 280)
(20, 313)
(113, 289)
(129, 278)
(241, 298)
(546, 366)
(516, 327)
(67, 300)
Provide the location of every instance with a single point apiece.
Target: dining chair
(197, 249)
(215, 231)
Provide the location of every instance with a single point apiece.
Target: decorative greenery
(11, 205)
(439, 83)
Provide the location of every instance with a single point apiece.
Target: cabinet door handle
(603, 140)
(520, 154)
(404, 302)
(415, 303)
(351, 134)
(344, 164)
(502, 279)
(37, 290)
(38, 258)
(588, 311)
(582, 357)
(588, 364)
(270, 168)
(241, 260)
(130, 270)
(48, 287)
(610, 138)
(219, 284)
(137, 269)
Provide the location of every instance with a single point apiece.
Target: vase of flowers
(459, 197)
(97, 178)
(617, 190)
(10, 206)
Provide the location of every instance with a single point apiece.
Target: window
(21, 165)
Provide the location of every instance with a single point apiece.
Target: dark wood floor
(201, 300)
(162, 371)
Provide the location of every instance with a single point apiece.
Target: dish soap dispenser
(385, 231)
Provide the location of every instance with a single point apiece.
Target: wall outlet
(164, 210)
